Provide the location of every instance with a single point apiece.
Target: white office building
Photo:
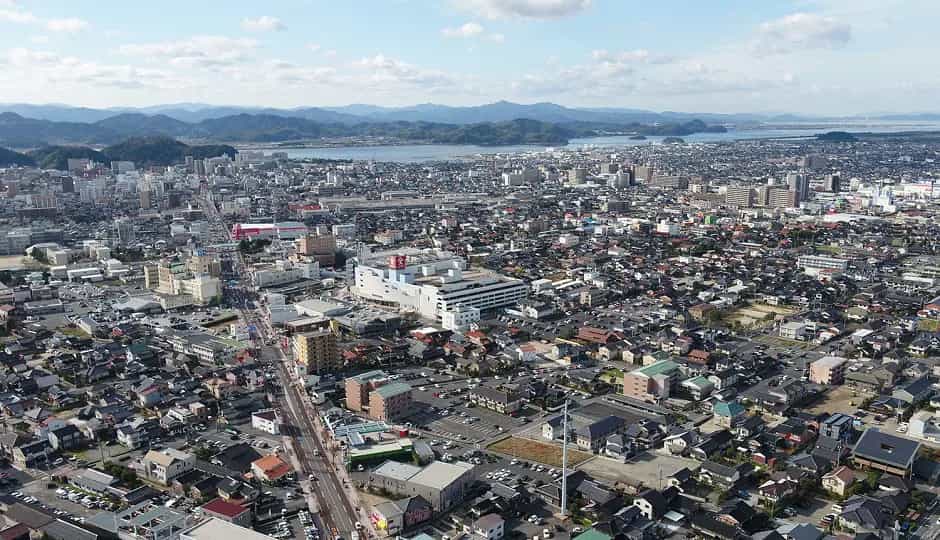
(432, 282)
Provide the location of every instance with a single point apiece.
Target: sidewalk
(304, 482)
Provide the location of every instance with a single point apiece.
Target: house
(864, 514)
(723, 476)
(885, 452)
(715, 442)
(775, 491)
(266, 420)
(166, 465)
(838, 481)
(32, 453)
(651, 503)
(552, 428)
(915, 391)
(488, 527)
(681, 443)
(136, 432)
(839, 426)
(591, 437)
(391, 517)
(708, 525)
(228, 511)
(729, 414)
(66, 437)
(270, 468)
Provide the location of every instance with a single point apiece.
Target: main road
(333, 496)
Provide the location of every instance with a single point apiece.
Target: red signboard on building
(398, 262)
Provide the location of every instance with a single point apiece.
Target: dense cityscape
(469, 270)
(743, 335)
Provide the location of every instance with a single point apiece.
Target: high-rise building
(609, 168)
(67, 184)
(778, 197)
(119, 167)
(322, 247)
(762, 195)
(799, 183)
(815, 162)
(316, 352)
(124, 230)
(832, 183)
(643, 173)
(145, 201)
(669, 181)
(740, 196)
(78, 164)
(621, 179)
(577, 175)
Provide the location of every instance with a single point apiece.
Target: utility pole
(564, 464)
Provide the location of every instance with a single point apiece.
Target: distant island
(638, 138)
(836, 136)
(673, 140)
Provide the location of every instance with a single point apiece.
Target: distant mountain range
(142, 150)
(500, 111)
(35, 126)
(497, 124)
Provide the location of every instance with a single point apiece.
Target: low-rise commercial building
(442, 484)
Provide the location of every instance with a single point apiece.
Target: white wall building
(432, 282)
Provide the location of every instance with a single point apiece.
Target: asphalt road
(334, 508)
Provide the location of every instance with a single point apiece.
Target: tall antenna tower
(564, 464)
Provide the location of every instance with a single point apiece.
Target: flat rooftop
(217, 529)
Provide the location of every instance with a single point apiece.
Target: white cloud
(472, 30)
(204, 51)
(265, 23)
(313, 47)
(800, 31)
(49, 67)
(468, 30)
(70, 24)
(383, 70)
(17, 16)
(528, 9)
(636, 56)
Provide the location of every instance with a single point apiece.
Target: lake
(417, 153)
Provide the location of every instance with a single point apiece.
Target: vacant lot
(540, 452)
(649, 468)
(842, 399)
(757, 315)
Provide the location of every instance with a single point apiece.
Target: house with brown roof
(270, 468)
(838, 481)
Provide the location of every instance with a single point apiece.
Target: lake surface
(417, 153)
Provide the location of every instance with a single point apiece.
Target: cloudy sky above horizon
(800, 56)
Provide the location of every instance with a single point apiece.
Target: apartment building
(390, 402)
(652, 382)
(316, 352)
(828, 370)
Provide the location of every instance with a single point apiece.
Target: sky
(765, 56)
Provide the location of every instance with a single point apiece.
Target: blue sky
(803, 56)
